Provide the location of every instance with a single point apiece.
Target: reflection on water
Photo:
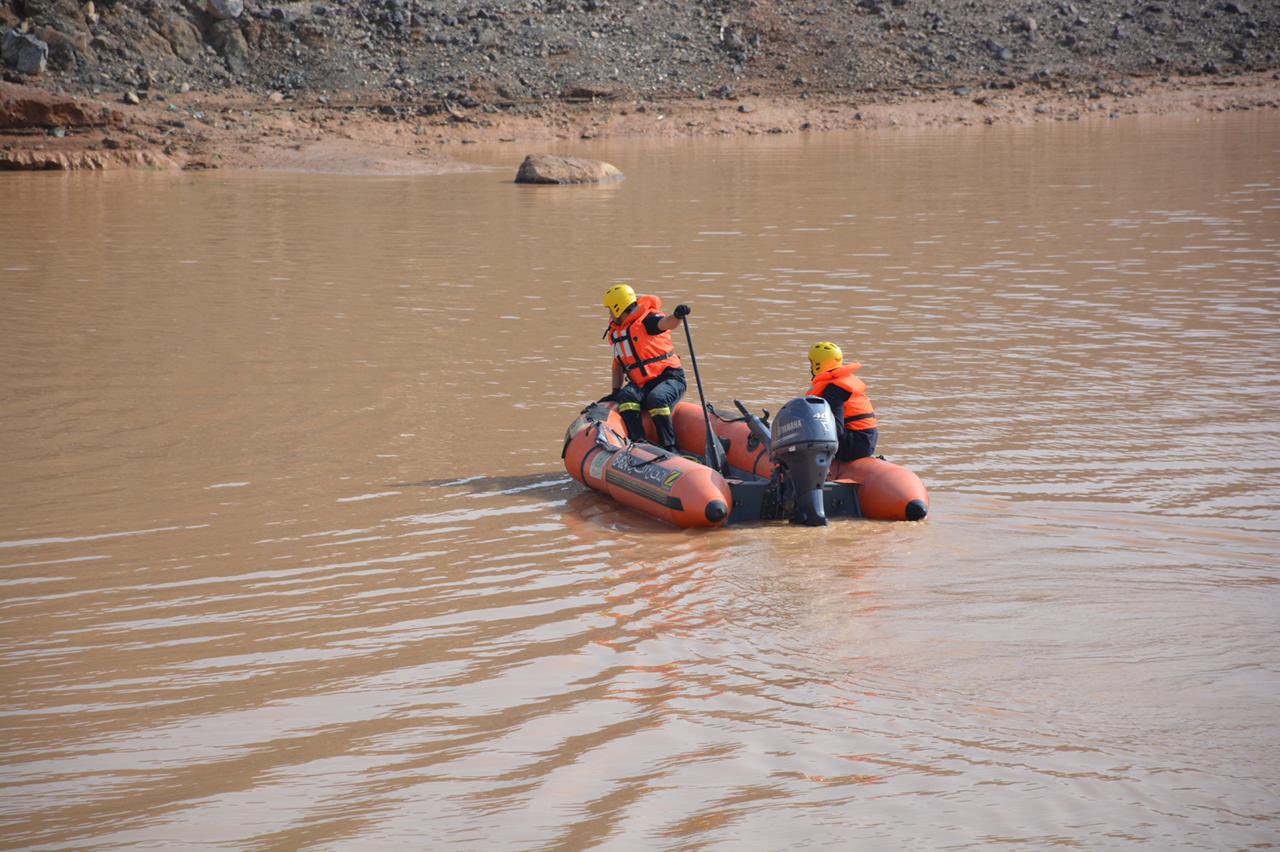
(288, 557)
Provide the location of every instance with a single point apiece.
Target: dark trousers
(659, 399)
(856, 444)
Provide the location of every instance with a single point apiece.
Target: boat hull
(885, 491)
(688, 494)
(644, 477)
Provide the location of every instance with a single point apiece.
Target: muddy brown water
(288, 557)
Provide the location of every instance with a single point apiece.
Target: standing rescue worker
(834, 381)
(640, 335)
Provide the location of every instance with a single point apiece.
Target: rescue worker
(834, 381)
(643, 356)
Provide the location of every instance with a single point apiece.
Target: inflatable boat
(739, 469)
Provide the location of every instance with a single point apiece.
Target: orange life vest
(858, 413)
(643, 356)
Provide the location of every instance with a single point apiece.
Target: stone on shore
(24, 51)
(9, 46)
(592, 91)
(548, 168)
(183, 37)
(229, 42)
(66, 50)
(222, 10)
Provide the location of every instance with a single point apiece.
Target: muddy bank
(44, 132)
(244, 130)
(379, 85)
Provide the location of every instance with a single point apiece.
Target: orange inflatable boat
(643, 476)
(783, 470)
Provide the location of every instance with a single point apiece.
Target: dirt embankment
(385, 85)
(240, 130)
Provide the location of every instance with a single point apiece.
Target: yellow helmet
(618, 298)
(824, 356)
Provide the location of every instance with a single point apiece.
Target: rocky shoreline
(385, 85)
(39, 131)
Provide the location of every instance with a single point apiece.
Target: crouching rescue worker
(834, 381)
(640, 335)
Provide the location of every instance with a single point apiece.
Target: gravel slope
(429, 55)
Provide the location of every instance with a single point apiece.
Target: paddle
(714, 452)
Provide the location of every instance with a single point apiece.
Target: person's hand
(682, 311)
(612, 396)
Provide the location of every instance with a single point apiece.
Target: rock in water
(548, 168)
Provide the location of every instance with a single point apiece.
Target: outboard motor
(804, 442)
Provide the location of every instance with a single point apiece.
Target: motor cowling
(804, 442)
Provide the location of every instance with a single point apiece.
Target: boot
(634, 423)
(666, 432)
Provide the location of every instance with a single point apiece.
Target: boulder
(222, 10)
(226, 38)
(236, 52)
(9, 46)
(548, 168)
(65, 49)
(183, 37)
(592, 91)
(24, 51)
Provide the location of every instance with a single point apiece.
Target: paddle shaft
(715, 457)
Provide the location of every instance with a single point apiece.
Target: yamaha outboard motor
(804, 442)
